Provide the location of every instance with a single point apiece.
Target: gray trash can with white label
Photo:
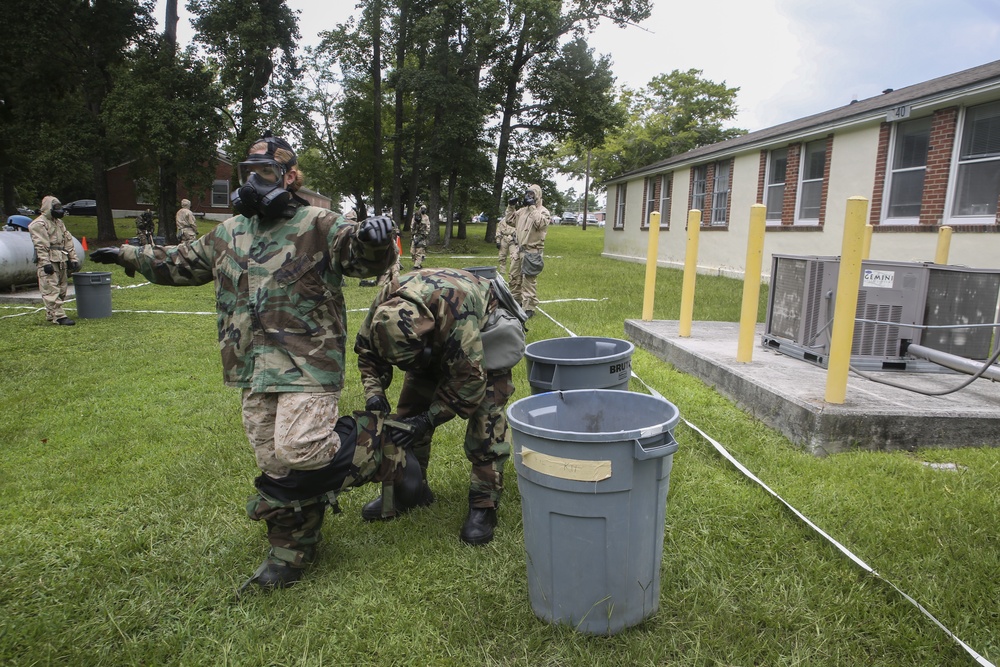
(593, 468)
(93, 294)
(579, 362)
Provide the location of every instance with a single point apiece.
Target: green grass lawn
(124, 472)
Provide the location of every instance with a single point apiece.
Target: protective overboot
(274, 573)
(479, 525)
(409, 492)
(65, 321)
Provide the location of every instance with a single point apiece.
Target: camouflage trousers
(417, 254)
(186, 236)
(53, 290)
(486, 445)
(293, 430)
(508, 252)
(293, 506)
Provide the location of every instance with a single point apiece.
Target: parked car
(81, 207)
(568, 218)
(25, 210)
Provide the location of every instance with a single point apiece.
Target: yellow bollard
(866, 247)
(690, 270)
(751, 283)
(652, 252)
(848, 281)
(943, 245)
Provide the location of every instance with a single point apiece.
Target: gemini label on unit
(873, 278)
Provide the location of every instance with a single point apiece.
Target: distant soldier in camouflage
(421, 233)
(144, 228)
(506, 242)
(187, 226)
(531, 224)
(428, 323)
(55, 258)
(278, 268)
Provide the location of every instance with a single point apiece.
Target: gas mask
(529, 198)
(262, 180)
(261, 190)
(58, 212)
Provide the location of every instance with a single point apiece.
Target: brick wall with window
(942, 143)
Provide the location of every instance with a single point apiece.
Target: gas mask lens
(269, 172)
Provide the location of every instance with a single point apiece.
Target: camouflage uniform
(144, 228)
(418, 242)
(531, 224)
(187, 226)
(444, 311)
(53, 246)
(282, 334)
(506, 241)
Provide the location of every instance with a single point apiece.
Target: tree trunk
(377, 101)
(510, 103)
(105, 219)
(397, 147)
(167, 206)
(434, 205)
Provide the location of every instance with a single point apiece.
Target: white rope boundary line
(840, 547)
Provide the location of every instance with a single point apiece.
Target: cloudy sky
(789, 58)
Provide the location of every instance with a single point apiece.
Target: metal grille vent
(880, 340)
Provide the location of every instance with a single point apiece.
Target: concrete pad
(788, 394)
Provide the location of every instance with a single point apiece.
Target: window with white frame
(811, 183)
(220, 193)
(911, 140)
(977, 179)
(720, 193)
(774, 190)
(666, 185)
(620, 205)
(652, 187)
(699, 175)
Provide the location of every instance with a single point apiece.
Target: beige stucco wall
(723, 252)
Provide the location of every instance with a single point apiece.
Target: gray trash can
(93, 294)
(593, 468)
(580, 362)
(487, 272)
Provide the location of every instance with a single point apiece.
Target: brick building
(924, 156)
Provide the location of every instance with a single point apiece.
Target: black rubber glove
(419, 425)
(498, 245)
(106, 255)
(376, 231)
(378, 404)
(49, 269)
(74, 266)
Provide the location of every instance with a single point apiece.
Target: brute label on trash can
(579, 362)
(593, 467)
(93, 294)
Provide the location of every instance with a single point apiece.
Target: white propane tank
(16, 254)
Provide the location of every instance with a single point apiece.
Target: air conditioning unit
(893, 297)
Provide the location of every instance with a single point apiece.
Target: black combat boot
(65, 321)
(479, 525)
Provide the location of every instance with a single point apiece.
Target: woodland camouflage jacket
(281, 312)
(454, 306)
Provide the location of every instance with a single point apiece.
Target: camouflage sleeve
(186, 264)
(40, 239)
(358, 259)
(375, 373)
(465, 385)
